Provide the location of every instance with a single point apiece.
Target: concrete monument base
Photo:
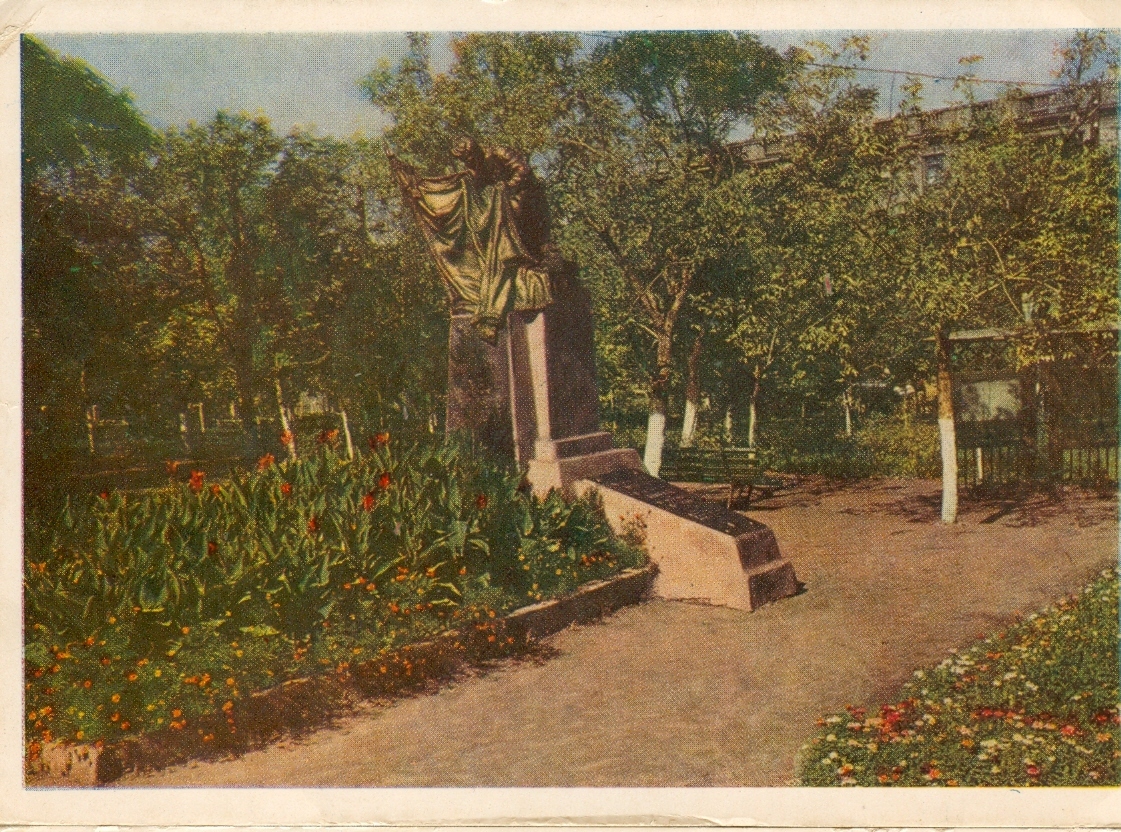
(703, 551)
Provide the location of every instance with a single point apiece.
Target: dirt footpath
(675, 694)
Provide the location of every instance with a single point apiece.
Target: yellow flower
(116, 697)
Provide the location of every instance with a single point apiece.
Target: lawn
(145, 610)
(1034, 705)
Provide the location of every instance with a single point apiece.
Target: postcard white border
(770, 807)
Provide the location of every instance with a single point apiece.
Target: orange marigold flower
(313, 524)
(176, 712)
(211, 547)
(116, 697)
(286, 437)
(172, 467)
(132, 677)
(125, 725)
(215, 490)
(87, 683)
(104, 495)
(265, 462)
(286, 489)
(185, 630)
(384, 480)
(196, 480)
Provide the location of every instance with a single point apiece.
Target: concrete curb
(303, 702)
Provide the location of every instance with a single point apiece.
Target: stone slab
(703, 552)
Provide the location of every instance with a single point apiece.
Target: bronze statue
(487, 228)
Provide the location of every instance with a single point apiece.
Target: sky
(311, 79)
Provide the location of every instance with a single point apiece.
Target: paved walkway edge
(300, 703)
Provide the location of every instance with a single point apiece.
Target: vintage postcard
(488, 413)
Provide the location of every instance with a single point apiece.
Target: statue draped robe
(472, 231)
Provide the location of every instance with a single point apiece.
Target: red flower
(215, 490)
(286, 438)
(313, 524)
(368, 502)
(286, 488)
(378, 440)
(327, 437)
(383, 480)
(172, 467)
(265, 461)
(1033, 771)
(104, 495)
(1068, 730)
(196, 480)
(211, 547)
(481, 501)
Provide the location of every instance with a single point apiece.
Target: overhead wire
(607, 38)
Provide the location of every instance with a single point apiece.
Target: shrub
(1036, 705)
(144, 609)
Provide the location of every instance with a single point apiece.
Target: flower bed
(1035, 705)
(146, 611)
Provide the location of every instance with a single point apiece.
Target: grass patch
(1036, 705)
(145, 610)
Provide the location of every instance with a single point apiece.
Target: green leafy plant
(144, 609)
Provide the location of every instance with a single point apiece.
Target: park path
(678, 694)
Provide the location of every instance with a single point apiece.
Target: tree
(81, 140)
(644, 178)
(807, 284)
(1019, 221)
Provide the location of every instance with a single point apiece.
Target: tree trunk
(728, 425)
(290, 444)
(946, 431)
(846, 400)
(692, 394)
(656, 424)
(752, 412)
(346, 434)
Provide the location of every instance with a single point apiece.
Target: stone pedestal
(532, 393)
(703, 551)
(479, 386)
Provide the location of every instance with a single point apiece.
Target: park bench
(742, 469)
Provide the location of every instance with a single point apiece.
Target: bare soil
(677, 694)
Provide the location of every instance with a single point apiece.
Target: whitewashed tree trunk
(290, 445)
(692, 392)
(946, 433)
(728, 425)
(346, 435)
(655, 440)
(847, 400)
(750, 424)
(689, 424)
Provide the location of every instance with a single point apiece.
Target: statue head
(467, 151)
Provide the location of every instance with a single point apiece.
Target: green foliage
(279, 571)
(1033, 706)
(71, 115)
(697, 84)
